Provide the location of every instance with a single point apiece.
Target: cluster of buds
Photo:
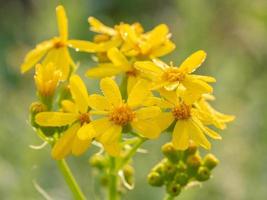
(180, 169)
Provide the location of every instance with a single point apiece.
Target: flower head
(55, 50)
(118, 114)
(46, 79)
(76, 115)
(171, 77)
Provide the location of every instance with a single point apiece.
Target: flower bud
(203, 174)
(169, 170)
(173, 189)
(128, 172)
(181, 167)
(210, 161)
(155, 179)
(98, 161)
(158, 168)
(170, 152)
(193, 161)
(191, 150)
(37, 107)
(181, 178)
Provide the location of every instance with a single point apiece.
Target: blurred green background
(234, 34)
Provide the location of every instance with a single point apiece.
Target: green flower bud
(37, 107)
(170, 152)
(158, 168)
(169, 170)
(191, 150)
(203, 174)
(173, 189)
(98, 161)
(181, 178)
(128, 172)
(193, 161)
(210, 161)
(155, 179)
(181, 167)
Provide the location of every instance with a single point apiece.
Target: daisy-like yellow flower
(188, 122)
(118, 114)
(171, 77)
(55, 50)
(46, 79)
(132, 40)
(119, 64)
(76, 115)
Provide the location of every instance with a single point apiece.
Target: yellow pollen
(181, 112)
(173, 74)
(121, 115)
(84, 118)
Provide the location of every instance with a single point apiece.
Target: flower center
(58, 43)
(121, 115)
(181, 112)
(84, 118)
(132, 72)
(173, 74)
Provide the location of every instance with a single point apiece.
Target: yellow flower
(46, 79)
(118, 114)
(56, 49)
(132, 40)
(188, 121)
(119, 64)
(170, 77)
(76, 115)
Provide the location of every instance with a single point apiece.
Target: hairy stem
(70, 180)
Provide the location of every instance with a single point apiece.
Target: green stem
(113, 191)
(131, 153)
(70, 180)
(169, 197)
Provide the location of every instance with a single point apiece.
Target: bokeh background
(234, 34)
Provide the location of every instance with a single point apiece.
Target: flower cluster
(181, 169)
(141, 97)
(153, 95)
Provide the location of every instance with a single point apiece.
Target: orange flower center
(181, 112)
(121, 115)
(84, 118)
(173, 74)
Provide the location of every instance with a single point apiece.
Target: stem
(169, 197)
(131, 153)
(113, 191)
(70, 180)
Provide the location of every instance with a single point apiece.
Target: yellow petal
(170, 96)
(208, 79)
(79, 93)
(149, 69)
(104, 46)
(69, 106)
(99, 27)
(162, 50)
(103, 70)
(193, 61)
(147, 128)
(62, 22)
(180, 138)
(63, 146)
(111, 135)
(81, 45)
(197, 135)
(86, 132)
(55, 118)
(98, 102)
(156, 101)
(79, 146)
(164, 120)
(113, 149)
(101, 125)
(147, 112)
(35, 55)
(139, 93)
(131, 81)
(118, 59)
(111, 91)
(212, 134)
